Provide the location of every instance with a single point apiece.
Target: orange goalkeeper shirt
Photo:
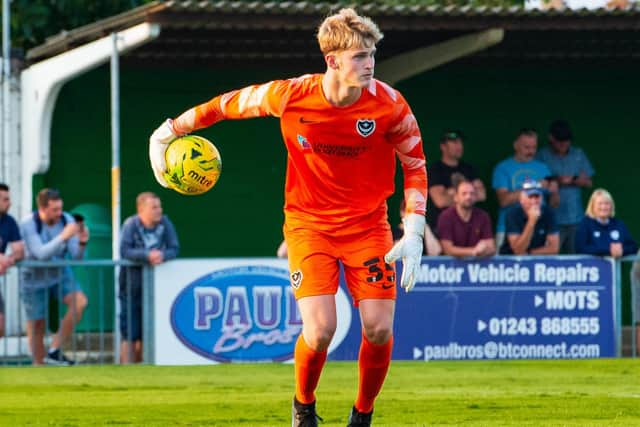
(341, 162)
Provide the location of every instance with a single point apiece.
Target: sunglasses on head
(53, 193)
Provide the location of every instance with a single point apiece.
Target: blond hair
(591, 206)
(143, 197)
(345, 30)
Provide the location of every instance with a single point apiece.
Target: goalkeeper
(343, 130)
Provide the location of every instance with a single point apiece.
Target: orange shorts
(314, 263)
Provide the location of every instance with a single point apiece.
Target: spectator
(510, 173)
(283, 250)
(9, 239)
(51, 234)
(530, 225)
(431, 245)
(9, 231)
(573, 171)
(464, 229)
(149, 236)
(599, 233)
(440, 176)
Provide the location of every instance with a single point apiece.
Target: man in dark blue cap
(530, 225)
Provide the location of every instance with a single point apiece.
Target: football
(193, 165)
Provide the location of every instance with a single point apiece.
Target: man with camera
(51, 234)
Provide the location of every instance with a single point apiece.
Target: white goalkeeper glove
(409, 248)
(158, 143)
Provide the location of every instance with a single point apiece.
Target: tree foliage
(32, 21)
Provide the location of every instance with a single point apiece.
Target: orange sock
(308, 367)
(373, 364)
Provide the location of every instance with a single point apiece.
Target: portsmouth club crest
(365, 127)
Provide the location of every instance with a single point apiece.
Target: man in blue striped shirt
(573, 171)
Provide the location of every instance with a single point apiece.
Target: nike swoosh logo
(305, 121)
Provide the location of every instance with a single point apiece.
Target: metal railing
(95, 338)
(633, 262)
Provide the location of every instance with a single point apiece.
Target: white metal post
(6, 89)
(40, 85)
(115, 184)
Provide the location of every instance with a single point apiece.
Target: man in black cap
(573, 171)
(441, 189)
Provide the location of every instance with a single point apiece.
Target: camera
(79, 218)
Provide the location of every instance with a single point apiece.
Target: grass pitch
(507, 393)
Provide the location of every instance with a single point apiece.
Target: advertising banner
(243, 310)
(505, 308)
(229, 310)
